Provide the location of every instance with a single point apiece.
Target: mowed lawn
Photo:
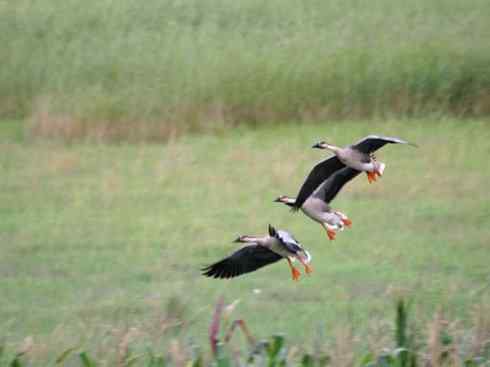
(105, 236)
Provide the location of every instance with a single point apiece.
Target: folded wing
(288, 241)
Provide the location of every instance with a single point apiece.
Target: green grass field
(99, 237)
(138, 139)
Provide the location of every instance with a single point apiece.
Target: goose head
(285, 200)
(325, 145)
(245, 239)
(320, 145)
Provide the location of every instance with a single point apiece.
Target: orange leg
(331, 234)
(308, 268)
(294, 272)
(371, 176)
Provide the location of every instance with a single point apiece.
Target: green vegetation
(443, 348)
(159, 68)
(100, 238)
(101, 244)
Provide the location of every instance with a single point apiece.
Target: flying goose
(261, 251)
(360, 155)
(317, 207)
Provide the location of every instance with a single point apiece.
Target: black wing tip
(206, 268)
(402, 141)
(217, 272)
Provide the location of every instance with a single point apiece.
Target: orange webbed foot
(295, 273)
(308, 268)
(371, 176)
(347, 222)
(331, 234)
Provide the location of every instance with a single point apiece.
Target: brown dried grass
(216, 117)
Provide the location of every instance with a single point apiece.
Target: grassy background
(102, 237)
(161, 68)
(99, 239)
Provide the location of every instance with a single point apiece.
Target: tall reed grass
(160, 68)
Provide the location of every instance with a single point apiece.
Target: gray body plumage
(358, 155)
(355, 159)
(321, 212)
(317, 205)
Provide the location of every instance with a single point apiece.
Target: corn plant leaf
(274, 348)
(367, 360)
(197, 362)
(401, 323)
(307, 361)
(397, 351)
(157, 362)
(475, 362)
(324, 360)
(222, 359)
(86, 360)
(15, 362)
(385, 360)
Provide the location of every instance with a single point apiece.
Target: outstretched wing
(245, 260)
(318, 174)
(329, 189)
(372, 143)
